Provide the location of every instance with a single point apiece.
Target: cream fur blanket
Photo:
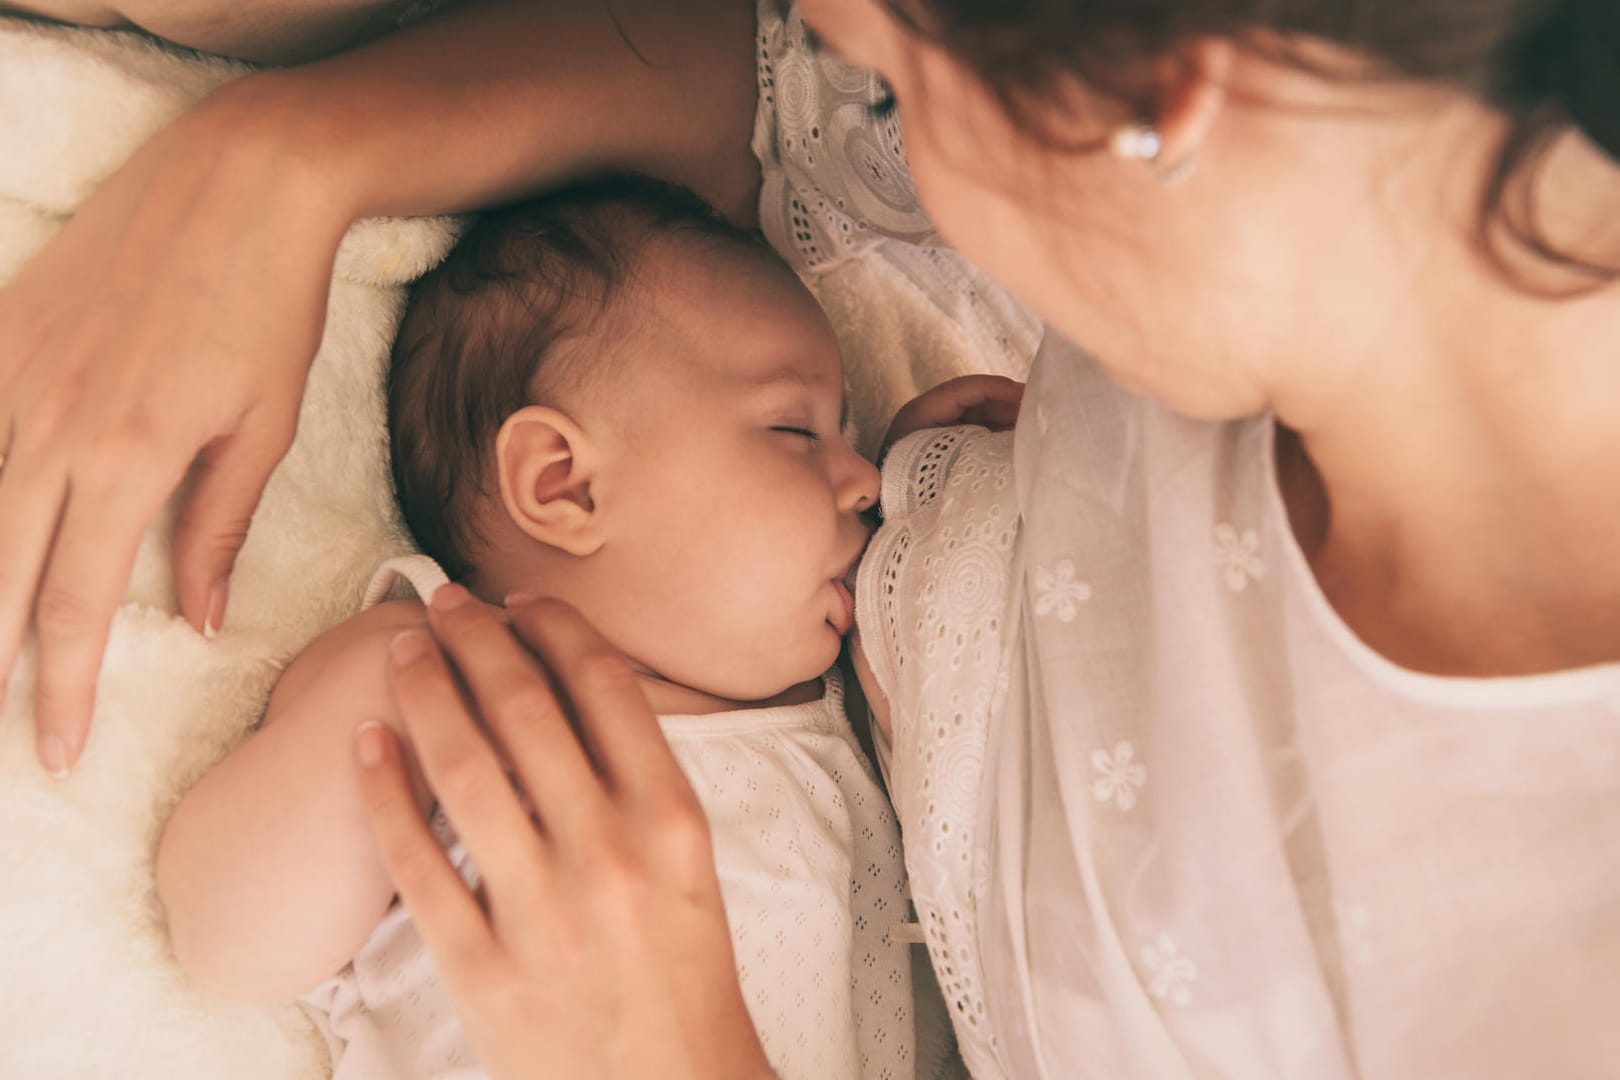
(88, 987)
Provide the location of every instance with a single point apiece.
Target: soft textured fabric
(809, 863)
(83, 947)
(1166, 816)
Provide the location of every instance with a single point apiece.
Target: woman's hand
(990, 401)
(604, 952)
(168, 328)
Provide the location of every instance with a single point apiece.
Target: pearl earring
(1142, 142)
(1136, 142)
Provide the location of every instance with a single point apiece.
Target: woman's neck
(1457, 488)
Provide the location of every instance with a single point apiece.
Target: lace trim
(932, 600)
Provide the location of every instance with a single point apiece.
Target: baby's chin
(792, 685)
(798, 684)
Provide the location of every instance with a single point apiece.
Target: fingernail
(407, 648)
(521, 597)
(448, 597)
(370, 745)
(53, 755)
(216, 610)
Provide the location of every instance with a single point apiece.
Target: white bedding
(87, 985)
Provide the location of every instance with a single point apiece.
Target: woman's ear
(547, 465)
(1192, 92)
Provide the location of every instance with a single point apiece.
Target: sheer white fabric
(809, 863)
(1214, 835)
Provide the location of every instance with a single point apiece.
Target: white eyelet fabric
(1167, 816)
(809, 862)
(836, 186)
(932, 601)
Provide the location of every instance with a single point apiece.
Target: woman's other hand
(990, 401)
(604, 950)
(166, 330)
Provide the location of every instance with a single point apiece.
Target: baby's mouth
(852, 573)
(854, 569)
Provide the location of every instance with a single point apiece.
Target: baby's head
(611, 396)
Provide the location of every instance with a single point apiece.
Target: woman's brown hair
(1547, 65)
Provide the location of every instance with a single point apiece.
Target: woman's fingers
(619, 929)
(82, 587)
(30, 506)
(462, 768)
(65, 556)
(226, 485)
(520, 709)
(445, 913)
(618, 727)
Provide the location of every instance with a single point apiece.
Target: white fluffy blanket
(88, 987)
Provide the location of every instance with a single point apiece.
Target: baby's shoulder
(347, 665)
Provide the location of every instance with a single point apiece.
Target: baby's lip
(853, 569)
(846, 616)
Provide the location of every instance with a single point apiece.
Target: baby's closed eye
(802, 432)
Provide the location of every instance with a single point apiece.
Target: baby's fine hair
(515, 316)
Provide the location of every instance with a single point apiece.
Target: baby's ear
(547, 464)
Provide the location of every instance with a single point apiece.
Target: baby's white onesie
(809, 863)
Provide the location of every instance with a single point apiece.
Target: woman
(1306, 760)
(1306, 764)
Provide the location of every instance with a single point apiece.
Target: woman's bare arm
(265, 31)
(489, 101)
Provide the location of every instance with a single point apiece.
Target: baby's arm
(267, 31)
(267, 869)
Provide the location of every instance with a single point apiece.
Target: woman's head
(1335, 146)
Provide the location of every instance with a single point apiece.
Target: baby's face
(732, 501)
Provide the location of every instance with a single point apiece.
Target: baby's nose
(864, 484)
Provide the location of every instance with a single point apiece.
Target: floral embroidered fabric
(1165, 816)
(1224, 838)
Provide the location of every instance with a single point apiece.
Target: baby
(613, 397)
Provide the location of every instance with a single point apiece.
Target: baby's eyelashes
(804, 432)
